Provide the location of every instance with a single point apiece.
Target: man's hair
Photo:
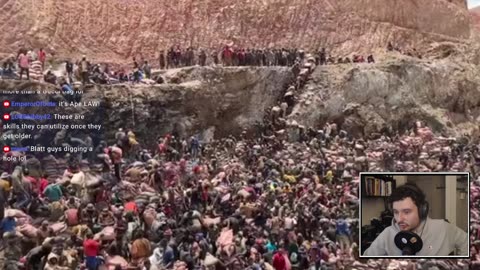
(409, 190)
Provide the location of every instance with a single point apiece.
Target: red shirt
(32, 180)
(205, 194)
(162, 148)
(91, 248)
(103, 196)
(23, 61)
(131, 207)
(43, 185)
(42, 56)
(227, 53)
(168, 211)
(279, 262)
(72, 217)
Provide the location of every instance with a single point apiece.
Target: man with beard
(410, 210)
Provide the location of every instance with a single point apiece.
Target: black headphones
(423, 206)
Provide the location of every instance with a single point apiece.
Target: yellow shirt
(5, 185)
(329, 176)
(289, 178)
(132, 138)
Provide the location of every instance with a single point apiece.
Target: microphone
(408, 242)
(407, 251)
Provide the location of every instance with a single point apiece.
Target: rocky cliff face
(365, 98)
(362, 98)
(115, 30)
(212, 101)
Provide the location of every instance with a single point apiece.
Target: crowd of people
(86, 71)
(281, 197)
(236, 56)
(283, 201)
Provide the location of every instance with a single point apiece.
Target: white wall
(434, 188)
(451, 199)
(443, 191)
(400, 179)
(462, 206)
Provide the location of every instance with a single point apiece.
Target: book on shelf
(377, 187)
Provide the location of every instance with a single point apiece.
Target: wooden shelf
(379, 183)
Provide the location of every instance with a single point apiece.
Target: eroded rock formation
(361, 98)
(213, 101)
(366, 98)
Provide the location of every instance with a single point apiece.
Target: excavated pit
(211, 101)
(364, 99)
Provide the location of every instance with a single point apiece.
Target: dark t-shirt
(35, 255)
(69, 67)
(331, 234)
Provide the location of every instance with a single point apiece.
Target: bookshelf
(373, 203)
(377, 186)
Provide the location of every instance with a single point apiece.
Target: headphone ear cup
(422, 210)
(425, 209)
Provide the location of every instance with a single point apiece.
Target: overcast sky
(473, 3)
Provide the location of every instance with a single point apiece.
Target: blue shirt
(8, 225)
(342, 227)
(67, 89)
(168, 256)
